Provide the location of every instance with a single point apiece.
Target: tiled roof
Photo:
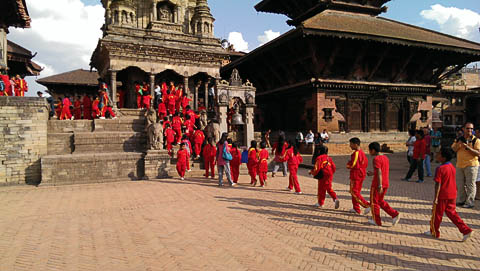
(336, 23)
(75, 77)
(14, 13)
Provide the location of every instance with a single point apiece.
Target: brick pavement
(195, 225)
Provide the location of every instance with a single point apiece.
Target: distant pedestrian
(467, 148)
(445, 195)
(410, 143)
(299, 138)
(325, 137)
(309, 138)
(209, 152)
(279, 150)
(263, 164)
(294, 159)
(252, 163)
(267, 138)
(223, 164)
(236, 162)
(419, 152)
(183, 163)
(436, 136)
(428, 144)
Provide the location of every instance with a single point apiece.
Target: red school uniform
(198, 138)
(8, 85)
(235, 164)
(66, 114)
(293, 161)
(171, 103)
(177, 127)
(209, 153)
(182, 162)
(139, 91)
(445, 200)
(380, 163)
(170, 136)
(252, 165)
(263, 166)
(77, 110)
(162, 110)
(358, 171)
(419, 149)
(87, 107)
(325, 163)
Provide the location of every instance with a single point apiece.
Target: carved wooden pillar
(113, 86)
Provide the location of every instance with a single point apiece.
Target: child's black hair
(321, 150)
(447, 153)
(229, 141)
(374, 146)
(420, 133)
(263, 145)
(234, 145)
(182, 144)
(355, 140)
(253, 144)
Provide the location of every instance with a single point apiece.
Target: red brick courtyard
(195, 225)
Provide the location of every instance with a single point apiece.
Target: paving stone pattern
(196, 225)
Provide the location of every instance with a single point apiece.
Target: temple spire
(202, 21)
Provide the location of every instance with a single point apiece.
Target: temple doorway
(128, 77)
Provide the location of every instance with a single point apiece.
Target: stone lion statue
(213, 130)
(155, 136)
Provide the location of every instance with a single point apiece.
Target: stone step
(91, 168)
(120, 125)
(110, 142)
(70, 126)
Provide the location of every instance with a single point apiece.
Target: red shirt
(162, 108)
(170, 134)
(87, 103)
(209, 151)
(279, 154)
(182, 157)
(237, 156)
(176, 122)
(358, 165)
(198, 137)
(445, 177)
(292, 159)
(252, 157)
(419, 149)
(263, 165)
(381, 162)
(66, 102)
(324, 162)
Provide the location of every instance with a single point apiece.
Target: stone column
(205, 101)
(185, 85)
(195, 98)
(249, 125)
(154, 10)
(222, 115)
(152, 87)
(113, 86)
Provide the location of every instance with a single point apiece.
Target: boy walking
(358, 171)
(380, 184)
(445, 196)
(182, 161)
(324, 163)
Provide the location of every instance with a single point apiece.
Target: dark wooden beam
(457, 68)
(403, 66)
(312, 51)
(439, 71)
(422, 67)
(331, 60)
(379, 63)
(276, 63)
(360, 55)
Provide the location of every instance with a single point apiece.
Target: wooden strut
(331, 60)
(378, 64)
(403, 67)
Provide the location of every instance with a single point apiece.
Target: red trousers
(169, 147)
(235, 171)
(325, 186)
(87, 113)
(198, 149)
(108, 109)
(139, 101)
(146, 101)
(293, 179)
(357, 198)
(252, 171)
(181, 169)
(209, 165)
(377, 202)
(262, 175)
(95, 113)
(446, 206)
(77, 114)
(66, 114)
(171, 109)
(178, 135)
(162, 115)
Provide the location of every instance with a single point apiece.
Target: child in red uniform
(58, 108)
(209, 153)
(252, 163)
(95, 109)
(198, 138)
(263, 164)
(445, 196)
(235, 163)
(185, 102)
(380, 183)
(294, 159)
(146, 98)
(324, 163)
(189, 126)
(177, 127)
(87, 107)
(139, 92)
(162, 110)
(77, 108)
(170, 101)
(66, 103)
(182, 161)
(358, 171)
(419, 153)
(170, 138)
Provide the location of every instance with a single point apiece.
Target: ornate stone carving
(213, 130)
(223, 99)
(248, 84)
(203, 119)
(249, 99)
(235, 79)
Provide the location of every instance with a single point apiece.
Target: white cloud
(63, 32)
(236, 39)
(463, 23)
(267, 36)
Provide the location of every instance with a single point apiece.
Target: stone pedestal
(157, 164)
(222, 112)
(249, 131)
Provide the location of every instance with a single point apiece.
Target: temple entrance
(200, 83)
(128, 77)
(355, 118)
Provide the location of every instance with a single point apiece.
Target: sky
(64, 33)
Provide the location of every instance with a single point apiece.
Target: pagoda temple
(151, 41)
(345, 68)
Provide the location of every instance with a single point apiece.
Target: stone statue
(155, 136)
(203, 119)
(151, 117)
(164, 14)
(213, 130)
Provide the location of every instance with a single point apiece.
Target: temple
(348, 68)
(152, 41)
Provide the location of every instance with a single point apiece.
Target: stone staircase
(93, 151)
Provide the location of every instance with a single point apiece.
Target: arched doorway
(199, 85)
(128, 77)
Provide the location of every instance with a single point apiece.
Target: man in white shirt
(158, 95)
(410, 142)
(309, 137)
(325, 137)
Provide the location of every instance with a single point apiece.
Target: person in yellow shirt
(467, 148)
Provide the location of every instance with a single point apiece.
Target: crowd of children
(12, 86)
(324, 170)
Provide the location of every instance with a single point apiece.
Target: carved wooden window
(447, 119)
(327, 114)
(424, 115)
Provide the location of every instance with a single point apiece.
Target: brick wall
(23, 139)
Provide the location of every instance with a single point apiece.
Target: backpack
(2, 85)
(226, 155)
(245, 156)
